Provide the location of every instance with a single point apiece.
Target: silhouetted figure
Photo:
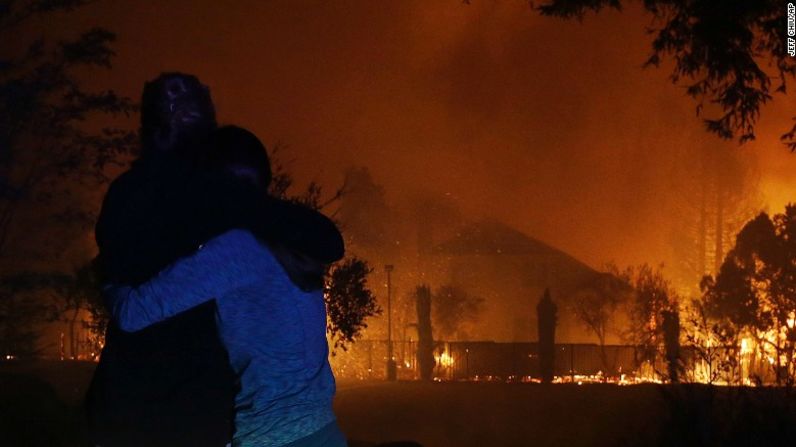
(546, 314)
(145, 380)
(171, 384)
(425, 342)
(272, 322)
(671, 342)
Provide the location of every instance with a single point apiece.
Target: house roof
(496, 238)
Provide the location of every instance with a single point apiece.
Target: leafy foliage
(349, 301)
(82, 291)
(714, 343)
(595, 304)
(47, 150)
(43, 108)
(651, 296)
(723, 53)
(597, 300)
(756, 288)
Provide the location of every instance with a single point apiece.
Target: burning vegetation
(740, 330)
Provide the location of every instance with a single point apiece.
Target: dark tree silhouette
(28, 299)
(732, 293)
(652, 296)
(713, 341)
(425, 342)
(754, 288)
(454, 309)
(595, 304)
(47, 155)
(723, 53)
(43, 145)
(81, 291)
(546, 313)
(283, 184)
(349, 302)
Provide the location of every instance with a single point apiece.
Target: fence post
(370, 359)
(513, 360)
(546, 321)
(467, 363)
(572, 361)
(425, 340)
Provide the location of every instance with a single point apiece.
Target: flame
(444, 359)
(747, 346)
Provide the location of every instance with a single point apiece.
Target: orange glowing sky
(551, 126)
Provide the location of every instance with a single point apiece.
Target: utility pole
(391, 367)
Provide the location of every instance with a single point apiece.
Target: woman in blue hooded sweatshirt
(271, 319)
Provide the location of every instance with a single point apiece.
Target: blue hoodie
(274, 332)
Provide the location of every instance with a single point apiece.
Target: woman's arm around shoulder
(231, 260)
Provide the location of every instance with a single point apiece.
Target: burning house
(510, 270)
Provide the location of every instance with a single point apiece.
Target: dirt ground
(40, 406)
(499, 414)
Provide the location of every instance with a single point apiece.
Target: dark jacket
(171, 384)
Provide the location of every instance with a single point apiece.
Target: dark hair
(239, 152)
(177, 113)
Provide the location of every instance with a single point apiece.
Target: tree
(595, 304)
(47, 155)
(23, 306)
(651, 296)
(721, 53)
(349, 302)
(713, 342)
(453, 311)
(715, 194)
(43, 105)
(282, 184)
(80, 292)
(755, 289)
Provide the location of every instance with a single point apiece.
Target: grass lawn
(40, 406)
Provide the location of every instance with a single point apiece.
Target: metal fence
(367, 359)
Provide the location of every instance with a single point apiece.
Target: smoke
(548, 125)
